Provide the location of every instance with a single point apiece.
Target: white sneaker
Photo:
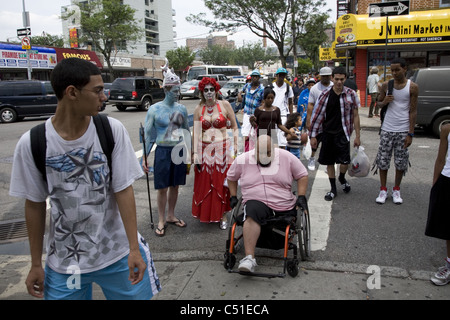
(442, 276)
(396, 197)
(382, 197)
(247, 264)
(312, 164)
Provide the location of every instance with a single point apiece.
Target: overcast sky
(44, 16)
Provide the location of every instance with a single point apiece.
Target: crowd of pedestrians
(104, 243)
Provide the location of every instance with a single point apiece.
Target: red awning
(64, 53)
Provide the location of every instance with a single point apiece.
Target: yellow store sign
(419, 27)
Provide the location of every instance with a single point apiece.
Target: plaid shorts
(392, 142)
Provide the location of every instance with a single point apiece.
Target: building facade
(154, 16)
(422, 38)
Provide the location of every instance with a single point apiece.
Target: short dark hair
(400, 61)
(72, 71)
(339, 70)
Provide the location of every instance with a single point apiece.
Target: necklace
(210, 110)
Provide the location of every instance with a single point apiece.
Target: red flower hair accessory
(206, 81)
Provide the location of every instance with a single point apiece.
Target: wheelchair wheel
(292, 268)
(230, 261)
(304, 234)
(235, 234)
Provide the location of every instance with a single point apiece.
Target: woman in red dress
(214, 148)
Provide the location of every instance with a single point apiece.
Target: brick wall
(363, 5)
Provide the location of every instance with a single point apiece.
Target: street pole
(385, 47)
(26, 24)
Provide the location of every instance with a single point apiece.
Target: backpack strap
(105, 136)
(39, 142)
(39, 147)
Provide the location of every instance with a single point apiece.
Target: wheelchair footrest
(259, 274)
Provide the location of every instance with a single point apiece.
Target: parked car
(231, 86)
(220, 78)
(190, 89)
(26, 98)
(139, 92)
(433, 104)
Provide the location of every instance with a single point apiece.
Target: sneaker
(442, 276)
(312, 164)
(396, 197)
(247, 264)
(382, 197)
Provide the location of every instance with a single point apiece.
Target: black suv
(26, 98)
(139, 92)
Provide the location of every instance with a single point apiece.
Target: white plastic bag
(360, 166)
(307, 151)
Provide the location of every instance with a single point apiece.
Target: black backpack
(39, 142)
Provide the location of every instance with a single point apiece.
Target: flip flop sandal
(162, 232)
(177, 223)
(346, 187)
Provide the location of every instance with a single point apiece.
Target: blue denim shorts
(113, 281)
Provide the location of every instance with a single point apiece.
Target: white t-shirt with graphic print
(86, 229)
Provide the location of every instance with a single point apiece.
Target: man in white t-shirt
(284, 97)
(314, 93)
(93, 233)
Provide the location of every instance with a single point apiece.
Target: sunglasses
(209, 90)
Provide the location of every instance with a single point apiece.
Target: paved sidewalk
(200, 276)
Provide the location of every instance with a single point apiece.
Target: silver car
(190, 89)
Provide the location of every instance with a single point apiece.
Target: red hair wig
(206, 81)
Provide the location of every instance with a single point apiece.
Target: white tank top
(397, 115)
(446, 170)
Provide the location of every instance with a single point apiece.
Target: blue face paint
(169, 118)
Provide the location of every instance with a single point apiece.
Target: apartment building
(154, 16)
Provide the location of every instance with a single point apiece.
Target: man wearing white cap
(314, 93)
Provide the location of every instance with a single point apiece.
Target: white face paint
(209, 92)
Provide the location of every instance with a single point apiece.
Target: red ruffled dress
(211, 198)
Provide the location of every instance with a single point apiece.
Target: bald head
(263, 150)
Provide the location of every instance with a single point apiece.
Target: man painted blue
(170, 119)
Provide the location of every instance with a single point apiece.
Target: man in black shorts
(335, 116)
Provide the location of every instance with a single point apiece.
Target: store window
(444, 3)
(414, 61)
(439, 58)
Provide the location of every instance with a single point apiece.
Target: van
(220, 78)
(433, 104)
(139, 92)
(26, 98)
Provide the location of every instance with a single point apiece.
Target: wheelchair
(280, 232)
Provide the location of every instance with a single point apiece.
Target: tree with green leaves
(281, 21)
(180, 58)
(48, 40)
(108, 25)
(216, 54)
(251, 54)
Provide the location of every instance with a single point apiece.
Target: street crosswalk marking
(320, 217)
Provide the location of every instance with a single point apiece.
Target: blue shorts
(167, 173)
(113, 280)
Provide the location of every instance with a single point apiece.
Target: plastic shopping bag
(359, 166)
(307, 151)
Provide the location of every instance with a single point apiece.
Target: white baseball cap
(325, 71)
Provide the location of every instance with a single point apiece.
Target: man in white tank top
(397, 130)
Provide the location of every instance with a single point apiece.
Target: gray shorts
(392, 141)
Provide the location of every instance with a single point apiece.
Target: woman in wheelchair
(266, 175)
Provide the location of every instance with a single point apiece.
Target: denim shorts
(113, 281)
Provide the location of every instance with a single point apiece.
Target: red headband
(206, 81)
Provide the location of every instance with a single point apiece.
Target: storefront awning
(419, 27)
(64, 53)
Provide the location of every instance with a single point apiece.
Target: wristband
(411, 134)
